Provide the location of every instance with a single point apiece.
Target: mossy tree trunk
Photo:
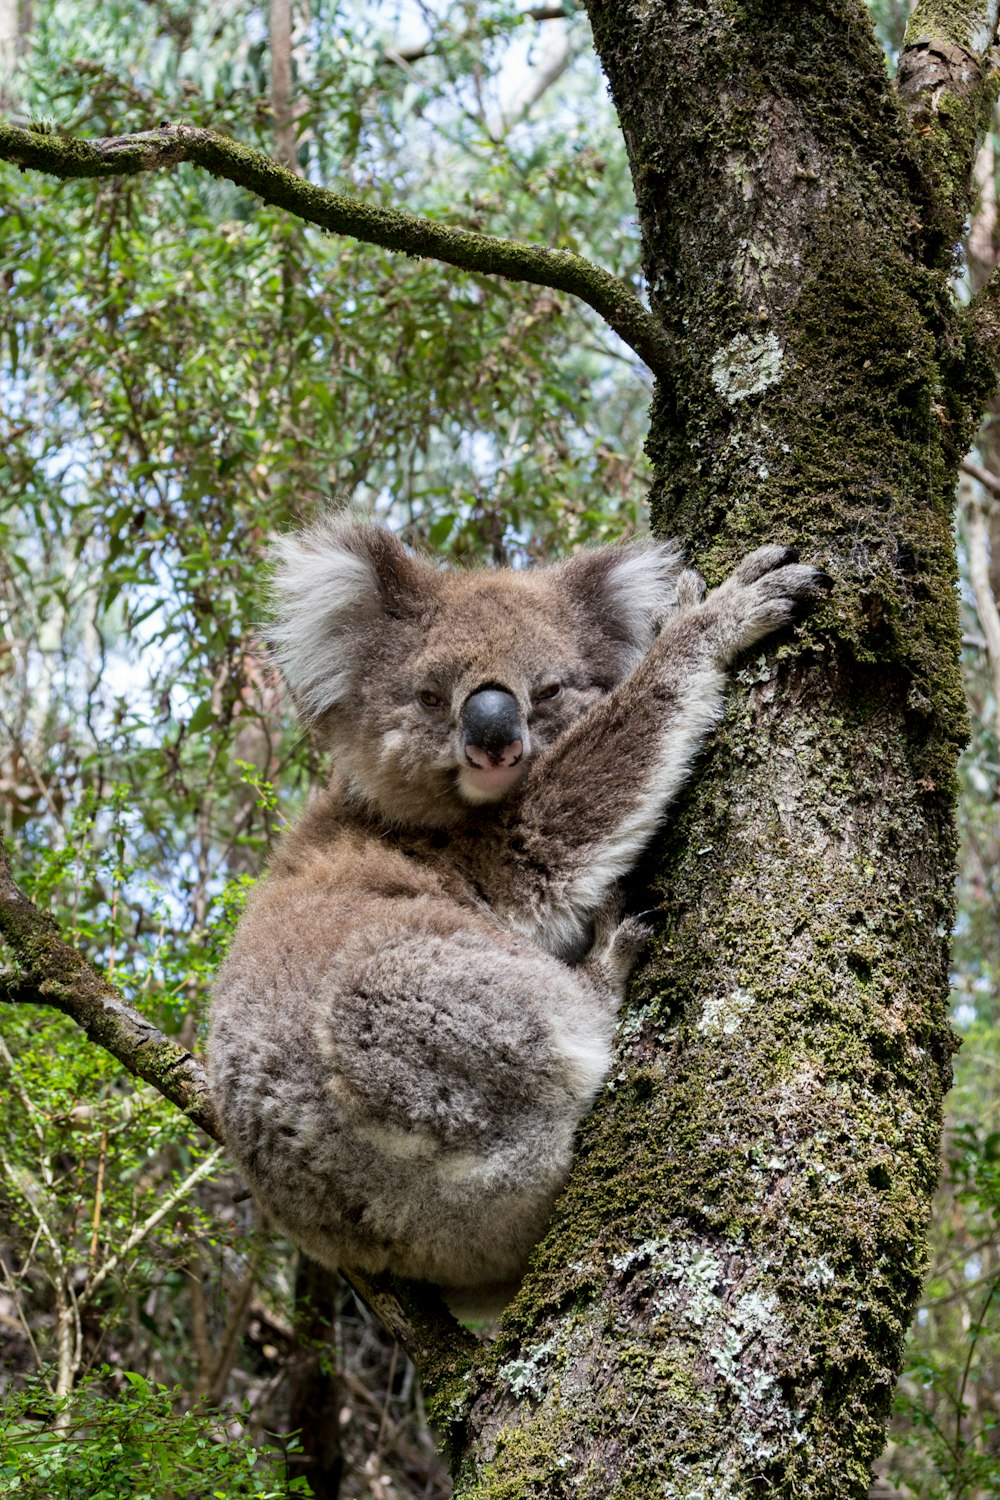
(719, 1310)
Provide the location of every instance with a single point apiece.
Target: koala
(418, 1007)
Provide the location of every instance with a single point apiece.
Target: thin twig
(539, 13)
(10, 1287)
(142, 1231)
(234, 1328)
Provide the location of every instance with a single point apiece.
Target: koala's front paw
(761, 596)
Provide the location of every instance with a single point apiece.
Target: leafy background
(183, 372)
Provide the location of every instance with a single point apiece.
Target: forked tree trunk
(720, 1308)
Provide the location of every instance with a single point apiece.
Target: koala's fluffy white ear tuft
(632, 588)
(330, 582)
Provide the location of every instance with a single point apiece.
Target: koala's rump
(399, 1079)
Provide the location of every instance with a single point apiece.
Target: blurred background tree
(184, 371)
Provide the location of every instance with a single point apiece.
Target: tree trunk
(314, 1396)
(15, 30)
(280, 41)
(720, 1308)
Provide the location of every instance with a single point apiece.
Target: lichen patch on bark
(747, 366)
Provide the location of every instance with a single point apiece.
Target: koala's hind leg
(456, 1036)
(462, 1062)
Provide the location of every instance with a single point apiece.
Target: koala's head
(436, 690)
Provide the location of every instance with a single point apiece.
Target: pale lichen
(725, 1013)
(747, 365)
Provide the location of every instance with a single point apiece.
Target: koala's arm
(591, 803)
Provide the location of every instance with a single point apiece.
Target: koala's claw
(794, 580)
(690, 589)
(652, 918)
(761, 562)
(762, 596)
(617, 943)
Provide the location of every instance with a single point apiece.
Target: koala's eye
(430, 700)
(551, 690)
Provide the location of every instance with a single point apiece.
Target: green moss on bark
(948, 97)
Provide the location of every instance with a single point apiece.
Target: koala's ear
(331, 584)
(629, 588)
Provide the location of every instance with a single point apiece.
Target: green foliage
(182, 373)
(121, 1435)
(949, 1422)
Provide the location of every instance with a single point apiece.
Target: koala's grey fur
(418, 1007)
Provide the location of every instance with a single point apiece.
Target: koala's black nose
(492, 733)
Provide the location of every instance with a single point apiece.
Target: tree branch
(976, 471)
(945, 86)
(53, 973)
(538, 13)
(127, 156)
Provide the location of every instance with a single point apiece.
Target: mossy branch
(51, 972)
(947, 88)
(128, 155)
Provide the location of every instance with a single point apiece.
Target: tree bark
(280, 40)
